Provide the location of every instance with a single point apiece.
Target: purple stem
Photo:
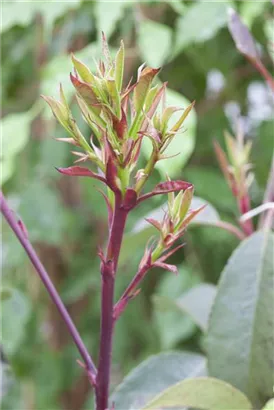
(21, 235)
(108, 272)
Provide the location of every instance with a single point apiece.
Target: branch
(108, 272)
(19, 231)
(130, 291)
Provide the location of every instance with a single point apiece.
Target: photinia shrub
(120, 118)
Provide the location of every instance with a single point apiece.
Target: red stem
(108, 272)
(244, 206)
(39, 268)
(130, 292)
(264, 72)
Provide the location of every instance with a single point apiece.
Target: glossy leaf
(153, 376)
(240, 335)
(204, 393)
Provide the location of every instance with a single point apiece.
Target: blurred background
(66, 217)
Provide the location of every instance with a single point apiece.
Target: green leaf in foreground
(153, 376)
(204, 393)
(240, 337)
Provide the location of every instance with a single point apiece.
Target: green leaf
(15, 311)
(153, 376)
(205, 393)
(15, 134)
(5, 293)
(252, 9)
(172, 324)
(269, 405)
(7, 168)
(20, 13)
(240, 337)
(108, 14)
(197, 302)
(150, 35)
(262, 152)
(182, 144)
(200, 22)
(42, 213)
(208, 216)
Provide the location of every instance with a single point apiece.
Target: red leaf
(86, 92)
(155, 223)
(111, 176)
(76, 171)
(165, 187)
(120, 127)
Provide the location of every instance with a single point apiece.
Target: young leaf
(119, 67)
(240, 337)
(202, 392)
(76, 171)
(82, 70)
(59, 111)
(165, 187)
(179, 123)
(142, 88)
(86, 92)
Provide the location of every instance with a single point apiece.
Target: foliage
(66, 220)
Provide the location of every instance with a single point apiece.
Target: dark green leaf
(240, 337)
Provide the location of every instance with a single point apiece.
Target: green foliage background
(65, 217)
